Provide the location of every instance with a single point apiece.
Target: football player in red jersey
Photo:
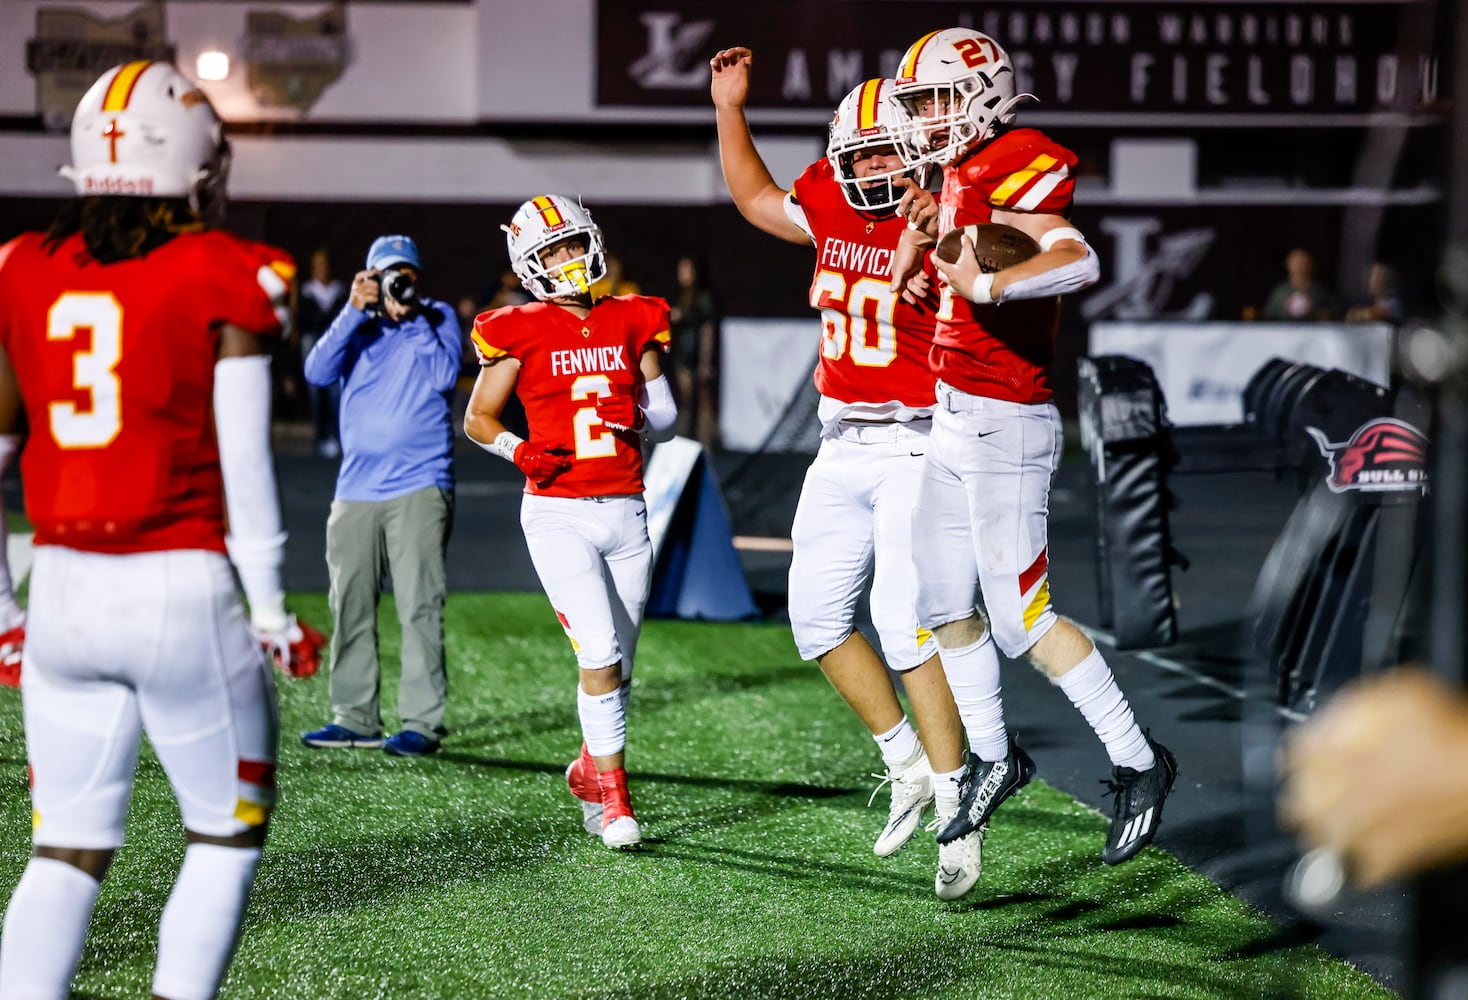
(133, 340)
(589, 378)
(981, 512)
(853, 524)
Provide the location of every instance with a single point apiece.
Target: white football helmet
(540, 224)
(145, 130)
(953, 88)
(865, 119)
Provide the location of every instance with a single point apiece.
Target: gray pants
(407, 536)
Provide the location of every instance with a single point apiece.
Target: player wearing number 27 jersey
(132, 339)
(589, 378)
(853, 522)
(981, 515)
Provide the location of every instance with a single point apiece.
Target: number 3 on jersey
(93, 369)
(844, 323)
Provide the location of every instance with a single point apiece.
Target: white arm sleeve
(256, 540)
(1061, 280)
(658, 409)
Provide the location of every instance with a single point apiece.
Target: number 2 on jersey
(847, 328)
(93, 369)
(590, 443)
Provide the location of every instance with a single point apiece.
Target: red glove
(541, 464)
(295, 649)
(620, 412)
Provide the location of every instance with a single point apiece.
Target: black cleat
(1138, 810)
(985, 785)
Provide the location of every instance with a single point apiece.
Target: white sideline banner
(765, 362)
(1203, 367)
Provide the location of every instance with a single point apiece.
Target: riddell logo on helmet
(119, 185)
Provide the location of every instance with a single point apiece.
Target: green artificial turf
(468, 874)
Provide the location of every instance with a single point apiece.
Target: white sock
(603, 721)
(201, 923)
(1092, 688)
(11, 613)
(45, 928)
(945, 790)
(899, 745)
(973, 676)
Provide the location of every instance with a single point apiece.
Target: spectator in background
(695, 354)
(396, 354)
(1383, 304)
(1299, 297)
(321, 298)
(614, 283)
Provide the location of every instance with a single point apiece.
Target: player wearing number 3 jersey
(853, 522)
(134, 339)
(589, 378)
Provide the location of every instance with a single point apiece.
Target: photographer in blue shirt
(396, 355)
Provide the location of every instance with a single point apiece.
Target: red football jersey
(874, 346)
(566, 363)
(1002, 351)
(116, 369)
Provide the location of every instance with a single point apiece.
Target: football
(998, 246)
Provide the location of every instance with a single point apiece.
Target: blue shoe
(410, 743)
(334, 736)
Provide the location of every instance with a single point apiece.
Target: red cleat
(619, 827)
(582, 779)
(12, 644)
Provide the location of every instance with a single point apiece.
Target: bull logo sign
(1384, 455)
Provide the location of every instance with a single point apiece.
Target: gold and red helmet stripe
(120, 90)
(549, 214)
(908, 68)
(868, 105)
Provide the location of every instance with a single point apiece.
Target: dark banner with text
(1102, 59)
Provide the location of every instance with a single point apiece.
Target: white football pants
(981, 515)
(155, 642)
(853, 525)
(594, 561)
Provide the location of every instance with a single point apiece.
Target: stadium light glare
(213, 65)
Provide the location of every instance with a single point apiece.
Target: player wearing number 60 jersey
(133, 340)
(588, 375)
(853, 522)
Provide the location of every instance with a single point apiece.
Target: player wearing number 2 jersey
(588, 375)
(853, 522)
(981, 512)
(133, 341)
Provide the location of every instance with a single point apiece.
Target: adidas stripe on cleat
(1137, 811)
(986, 784)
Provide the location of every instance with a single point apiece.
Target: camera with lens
(400, 286)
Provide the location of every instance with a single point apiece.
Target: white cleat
(591, 813)
(622, 833)
(960, 863)
(912, 793)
